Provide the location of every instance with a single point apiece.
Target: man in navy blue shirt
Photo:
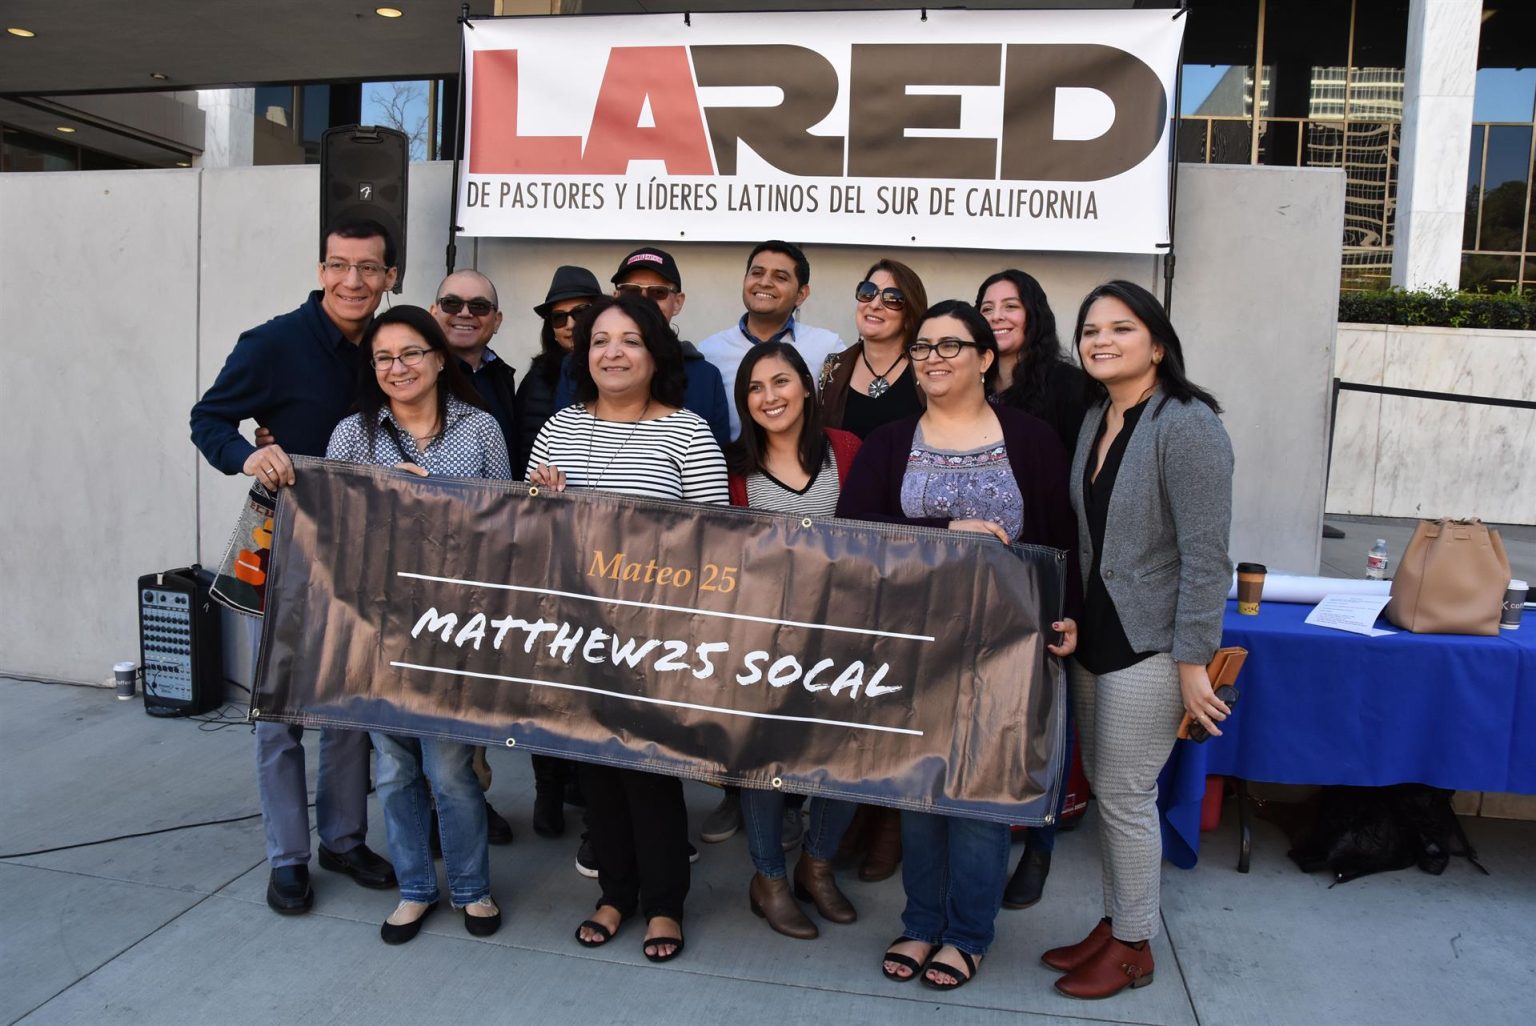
(469, 312)
(296, 375)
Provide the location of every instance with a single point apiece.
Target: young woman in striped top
(628, 433)
(785, 462)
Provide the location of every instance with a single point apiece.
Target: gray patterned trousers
(1127, 721)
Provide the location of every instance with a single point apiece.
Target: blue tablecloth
(1322, 706)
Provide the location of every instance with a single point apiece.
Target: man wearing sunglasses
(777, 282)
(652, 273)
(469, 312)
(297, 376)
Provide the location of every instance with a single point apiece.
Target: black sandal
(903, 960)
(600, 929)
(960, 981)
(656, 942)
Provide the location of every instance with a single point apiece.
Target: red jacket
(845, 446)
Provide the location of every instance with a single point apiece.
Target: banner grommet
(777, 782)
(511, 742)
(533, 490)
(805, 522)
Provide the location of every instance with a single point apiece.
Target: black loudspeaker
(363, 176)
(181, 643)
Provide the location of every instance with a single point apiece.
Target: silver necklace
(878, 385)
(597, 479)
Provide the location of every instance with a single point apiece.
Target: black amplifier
(181, 643)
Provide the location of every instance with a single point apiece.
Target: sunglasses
(559, 318)
(655, 293)
(891, 297)
(948, 348)
(453, 304)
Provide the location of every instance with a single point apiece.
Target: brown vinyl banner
(900, 666)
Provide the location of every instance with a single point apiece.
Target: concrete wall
(156, 273)
(1396, 456)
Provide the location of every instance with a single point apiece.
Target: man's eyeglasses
(451, 305)
(891, 297)
(559, 318)
(408, 357)
(948, 348)
(369, 269)
(655, 293)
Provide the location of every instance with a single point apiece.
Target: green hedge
(1443, 307)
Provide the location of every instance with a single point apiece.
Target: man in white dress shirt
(777, 282)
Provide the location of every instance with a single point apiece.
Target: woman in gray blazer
(1152, 487)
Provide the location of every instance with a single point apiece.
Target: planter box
(1395, 456)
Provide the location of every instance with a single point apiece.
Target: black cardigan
(1040, 467)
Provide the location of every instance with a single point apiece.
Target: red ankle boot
(1064, 960)
(1114, 967)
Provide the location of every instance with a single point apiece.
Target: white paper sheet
(1303, 590)
(1354, 613)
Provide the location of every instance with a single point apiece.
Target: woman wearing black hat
(570, 291)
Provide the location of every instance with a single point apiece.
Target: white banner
(1024, 130)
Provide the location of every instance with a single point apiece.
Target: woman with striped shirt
(627, 433)
(785, 462)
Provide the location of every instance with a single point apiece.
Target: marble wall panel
(1359, 357)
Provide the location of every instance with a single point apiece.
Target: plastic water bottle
(1376, 561)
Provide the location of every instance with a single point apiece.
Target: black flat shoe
(906, 961)
(366, 868)
(1028, 881)
(288, 891)
(961, 979)
(598, 928)
(656, 942)
(482, 926)
(392, 934)
(497, 829)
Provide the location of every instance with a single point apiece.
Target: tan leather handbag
(1451, 579)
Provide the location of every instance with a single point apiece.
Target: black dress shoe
(362, 865)
(288, 891)
(1028, 881)
(549, 814)
(497, 829)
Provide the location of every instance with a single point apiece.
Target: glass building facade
(1319, 83)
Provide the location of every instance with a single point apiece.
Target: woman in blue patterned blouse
(965, 465)
(416, 412)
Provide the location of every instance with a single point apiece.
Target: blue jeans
(762, 810)
(953, 870)
(406, 764)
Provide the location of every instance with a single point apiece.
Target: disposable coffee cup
(1250, 587)
(126, 675)
(1514, 602)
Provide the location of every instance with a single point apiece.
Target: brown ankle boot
(884, 846)
(1065, 959)
(772, 901)
(1114, 967)
(815, 883)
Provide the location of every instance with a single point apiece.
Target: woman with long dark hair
(966, 465)
(1033, 373)
(417, 412)
(1152, 487)
(628, 433)
(784, 461)
(1033, 376)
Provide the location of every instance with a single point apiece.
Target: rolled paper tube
(1300, 589)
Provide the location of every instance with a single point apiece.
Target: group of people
(959, 415)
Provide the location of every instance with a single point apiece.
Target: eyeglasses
(948, 348)
(367, 268)
(655, 293)
(891, 297)
(453, 304)
(408, 357)
(558, 318)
